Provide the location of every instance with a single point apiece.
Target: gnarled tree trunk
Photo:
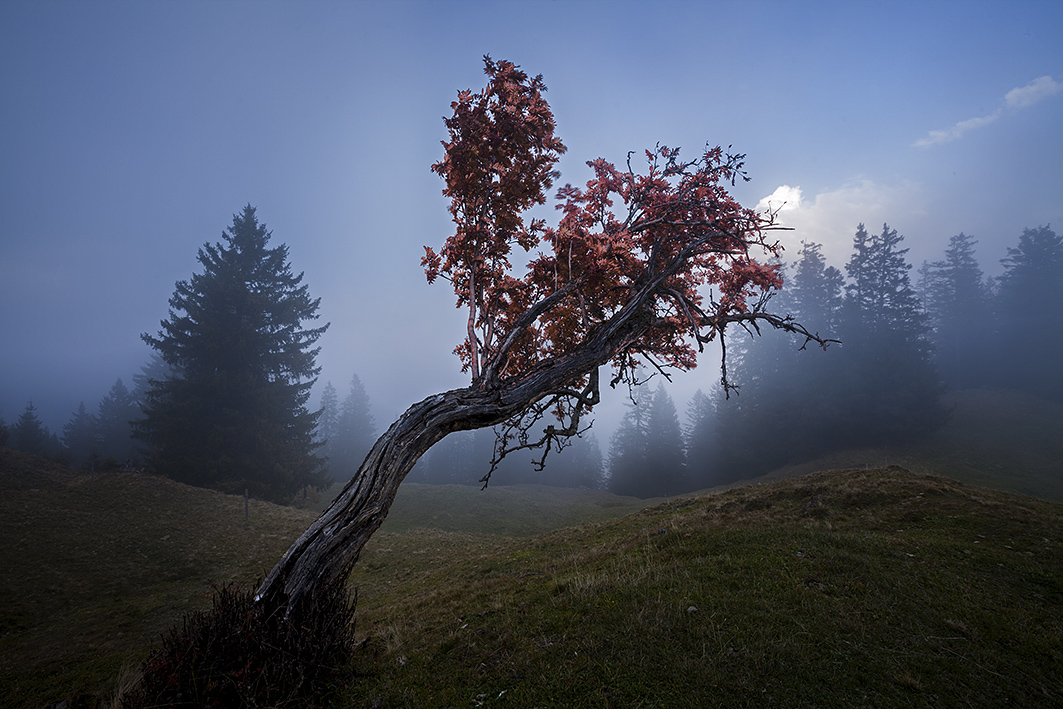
(326, 551)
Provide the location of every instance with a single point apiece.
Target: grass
(464, 508)
(871, 586)
(94, 571)
(854, 588)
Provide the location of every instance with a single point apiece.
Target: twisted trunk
(326, 551)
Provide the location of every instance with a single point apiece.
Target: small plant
(243, 653)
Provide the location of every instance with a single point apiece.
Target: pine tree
(355, 432)
(1030, 313)
(30, 435)
(5, 434)
(328, 420)
(890, 388)
(232, 413)
(114, 429)
(79, 436)
(958, 304)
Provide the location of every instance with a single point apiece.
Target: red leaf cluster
(650, 242)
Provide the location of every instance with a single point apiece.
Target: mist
(133, 132)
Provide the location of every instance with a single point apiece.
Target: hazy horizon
(134, 131)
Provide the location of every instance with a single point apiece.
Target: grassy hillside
(854, 588)
(865, 587)
(94, 571)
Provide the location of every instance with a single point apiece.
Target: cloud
(1033, 92)
(831, 217)
(784, 199)
(1020, 97)
(956, 130)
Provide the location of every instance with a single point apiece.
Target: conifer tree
(627, 451)
(664, 446)
(79, 435)
(30, 435)
(1030, 313)
(815, 290)
(232, 413)
(114, 431)
(958, 304)
(328, 420)
(646, 456)
(701, 444)
(891, 386)
(355, 432)
(785, 387)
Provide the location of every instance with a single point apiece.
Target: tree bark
(326, 551)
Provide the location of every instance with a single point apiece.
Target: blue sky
(130, 133)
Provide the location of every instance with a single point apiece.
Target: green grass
(854, 588)
(95, 571)
(866, 587)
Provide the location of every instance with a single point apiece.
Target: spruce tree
(1030, 313)
(232, 412)
(784, 387)
(958, 304)
(664, 446)
(815, 290)
(30, 435)
(113, 424)
(890, 386)
(79, 436)
(701, 444)
(646, 455)
(628, 464)
(355, 432)
(328, 420)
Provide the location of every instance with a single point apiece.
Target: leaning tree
(642, 269)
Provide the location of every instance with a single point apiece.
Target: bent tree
(644, 267)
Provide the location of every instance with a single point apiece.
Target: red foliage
(647, 243)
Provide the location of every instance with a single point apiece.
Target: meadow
(862, 583)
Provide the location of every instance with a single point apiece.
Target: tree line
(223, 401)
(903, 344)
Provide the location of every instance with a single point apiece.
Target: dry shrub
(247, 654)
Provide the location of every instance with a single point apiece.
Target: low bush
(243, 653)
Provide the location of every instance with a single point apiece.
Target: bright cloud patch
(1033, 92)
(784, 199)
(1020, 97)
(831, 217)
(955, 131)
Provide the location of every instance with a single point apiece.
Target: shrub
(243, 653)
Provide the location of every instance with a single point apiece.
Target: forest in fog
(906, 335)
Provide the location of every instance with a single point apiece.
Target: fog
(132, 132)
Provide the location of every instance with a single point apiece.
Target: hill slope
(93, 572)
(863, 587)
(850, 588)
